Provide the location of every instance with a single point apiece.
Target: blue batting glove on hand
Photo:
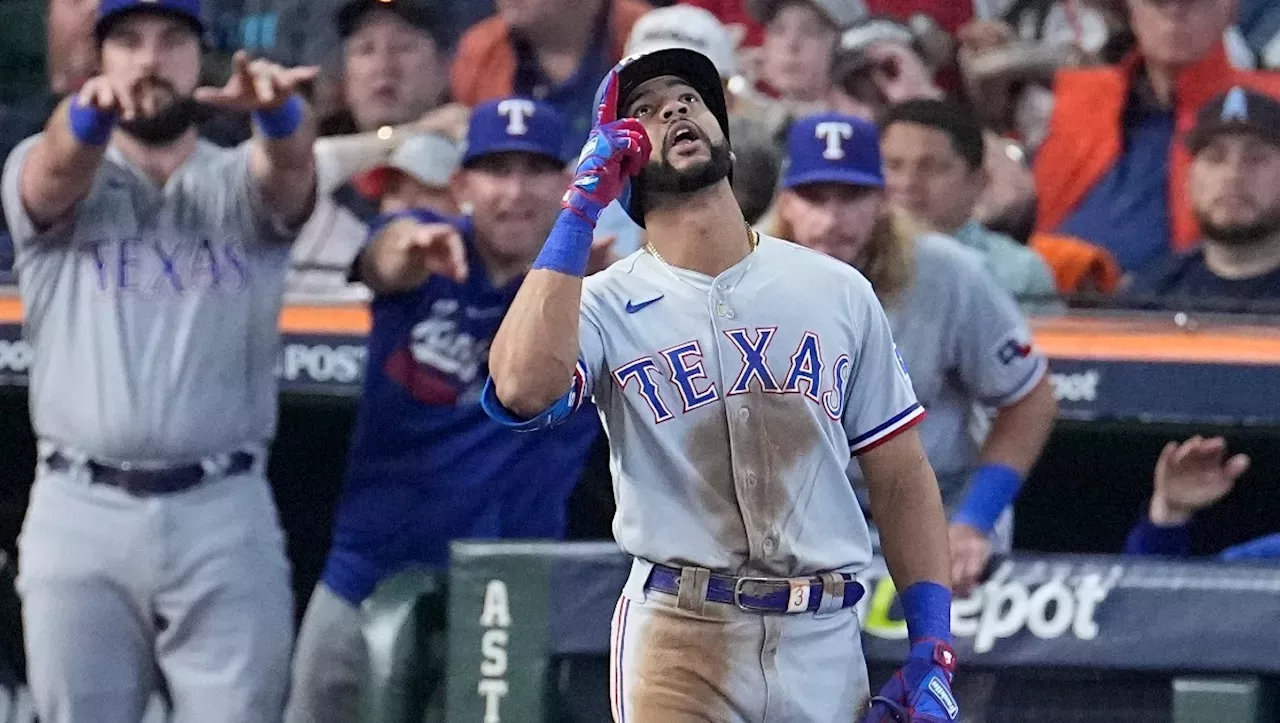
(615, 151)
(920, 692)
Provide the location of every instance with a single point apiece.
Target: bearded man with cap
(426, 466)
(152, 270)
(1235, 192)
(737, 376)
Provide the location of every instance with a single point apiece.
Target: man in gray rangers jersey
(737, 375)
(960, 332)
(152, 268)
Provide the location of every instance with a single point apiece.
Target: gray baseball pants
(188, 593)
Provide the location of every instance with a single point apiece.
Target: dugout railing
(1047, 639)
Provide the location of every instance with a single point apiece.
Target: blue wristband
(1148, 538)
(992, 489)
(90, 126)
(568, 246)
(280, 122)
(927, 608)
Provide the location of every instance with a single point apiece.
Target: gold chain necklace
(753, 240)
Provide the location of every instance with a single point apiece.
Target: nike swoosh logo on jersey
(633, 307)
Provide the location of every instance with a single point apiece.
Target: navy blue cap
(833, 148)
(516, 124)
(1238, 110)
(109, 10)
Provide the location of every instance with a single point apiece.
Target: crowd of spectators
(1050, 135)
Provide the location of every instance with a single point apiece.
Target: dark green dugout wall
(1082, 497)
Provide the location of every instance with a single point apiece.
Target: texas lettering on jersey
(156, 266)
(681, 366)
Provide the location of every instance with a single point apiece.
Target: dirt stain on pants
(670, 665)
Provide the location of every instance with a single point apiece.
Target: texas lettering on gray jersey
(153, 312)
(733, 405)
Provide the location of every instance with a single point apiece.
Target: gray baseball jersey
(733, 405)
(153, 311)
(967, 347)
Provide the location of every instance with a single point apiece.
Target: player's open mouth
(684, 138)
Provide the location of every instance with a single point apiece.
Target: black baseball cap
(1239, 110)
(690, 66)
(420, 14)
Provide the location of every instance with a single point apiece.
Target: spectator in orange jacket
(555, 51)
(1113, 167)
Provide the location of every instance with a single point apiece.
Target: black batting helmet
(690, 66)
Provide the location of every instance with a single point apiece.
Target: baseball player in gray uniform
(151, 268)
(737, 375)
(963, 338)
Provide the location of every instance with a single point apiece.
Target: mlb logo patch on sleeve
(902, 363)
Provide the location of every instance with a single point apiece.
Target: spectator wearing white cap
(685, 26)
(416, 176)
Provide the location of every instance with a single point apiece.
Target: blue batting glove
(920, 692)
(615, 151)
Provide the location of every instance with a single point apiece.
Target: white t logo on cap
(834, 133)
(516, 110)
(1236, 106)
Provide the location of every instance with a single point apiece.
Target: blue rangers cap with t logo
(833, 148)
(110, 11)
(519, 125)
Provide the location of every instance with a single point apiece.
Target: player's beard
(1237, 235)
(662, 178)
(169, 122)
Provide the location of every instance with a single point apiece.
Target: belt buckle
(737, 593)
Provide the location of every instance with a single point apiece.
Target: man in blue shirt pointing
(426, 465)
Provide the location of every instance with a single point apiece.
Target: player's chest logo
(444, 359)
(682, 373)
